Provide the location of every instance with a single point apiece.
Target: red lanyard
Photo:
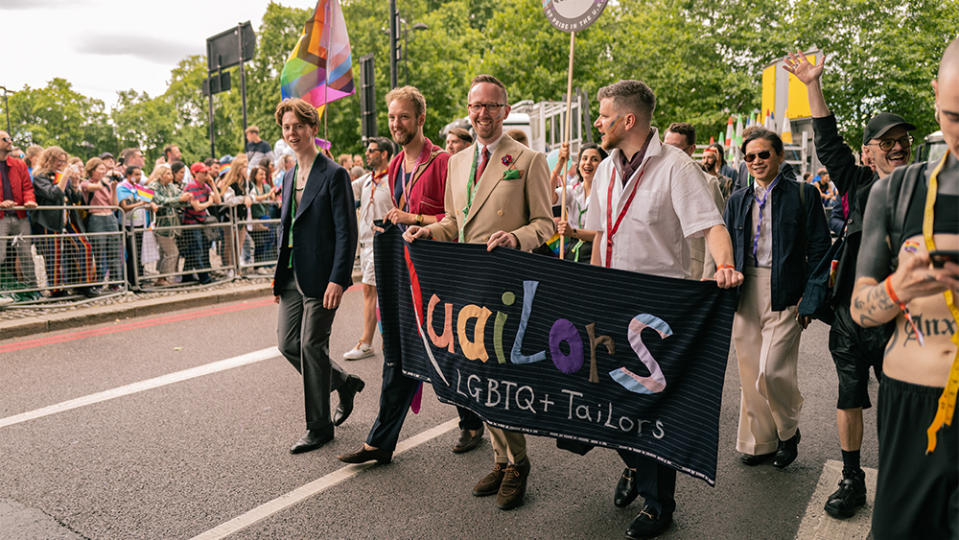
(610, 227)
(408, 185)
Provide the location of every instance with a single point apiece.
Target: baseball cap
(226, 159)
(106, 155)
(881, 123)
(198, 167)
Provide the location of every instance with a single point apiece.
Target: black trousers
(656, 483)
(303, 331)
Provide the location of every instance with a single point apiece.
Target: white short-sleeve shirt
(672, 203)
(375, 202)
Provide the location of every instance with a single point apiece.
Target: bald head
(950, 60)
(946, 87)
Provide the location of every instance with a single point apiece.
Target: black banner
(561, 349)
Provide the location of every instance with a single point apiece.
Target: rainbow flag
(320, 69)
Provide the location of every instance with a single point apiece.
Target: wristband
(722, 266)
(905, 311)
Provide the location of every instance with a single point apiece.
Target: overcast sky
(103, 46)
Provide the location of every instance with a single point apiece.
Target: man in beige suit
(497, 193)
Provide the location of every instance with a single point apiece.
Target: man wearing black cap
(854, 349)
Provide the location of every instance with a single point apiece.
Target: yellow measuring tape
(947, 401)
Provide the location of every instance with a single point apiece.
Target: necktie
(482, 165)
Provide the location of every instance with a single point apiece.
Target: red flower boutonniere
(511, 173)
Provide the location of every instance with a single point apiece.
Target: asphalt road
(183, 457)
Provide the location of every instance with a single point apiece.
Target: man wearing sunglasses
(887, 145)
(16, 190)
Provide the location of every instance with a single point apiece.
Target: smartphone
(941, 256)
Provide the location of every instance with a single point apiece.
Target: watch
(419, 219)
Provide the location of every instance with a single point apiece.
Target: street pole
(394, 30)
(239, 46)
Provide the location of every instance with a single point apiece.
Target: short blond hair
(304, 112)
(411, 94)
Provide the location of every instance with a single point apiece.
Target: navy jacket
(324, 233)
(800, 237)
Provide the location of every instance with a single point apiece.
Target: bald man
(912, 214)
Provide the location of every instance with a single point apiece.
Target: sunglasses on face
(6, 139)
(887, 144)
(764, 155)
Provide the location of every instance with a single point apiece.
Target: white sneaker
(362, 350)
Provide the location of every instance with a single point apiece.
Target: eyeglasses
(491, 107)
(372, 150)
(764, 155)
(887, 144)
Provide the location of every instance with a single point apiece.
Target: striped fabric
(511, 336)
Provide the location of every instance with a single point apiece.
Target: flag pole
(326, 67)
(569, 121)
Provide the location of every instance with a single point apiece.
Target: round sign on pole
(573, 15)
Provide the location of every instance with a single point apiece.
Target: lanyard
(947, 401)
(610, 227)
(408, 184)
(469, 192)
(759, 222)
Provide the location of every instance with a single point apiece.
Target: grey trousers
(10, 227)
(303, 331)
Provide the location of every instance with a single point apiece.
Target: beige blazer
(520, 206)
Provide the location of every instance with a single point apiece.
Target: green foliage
(703, 59)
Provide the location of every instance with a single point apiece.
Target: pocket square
(512, 174)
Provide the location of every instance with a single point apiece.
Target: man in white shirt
(374, 199)
(648, 198)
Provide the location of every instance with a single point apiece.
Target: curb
(138, 308)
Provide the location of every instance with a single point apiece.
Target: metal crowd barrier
(76, 264)
(42, 268)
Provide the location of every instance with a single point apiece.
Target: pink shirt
(101, 197)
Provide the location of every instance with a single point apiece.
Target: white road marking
(818, 525)
(306, 491)
(141, 386)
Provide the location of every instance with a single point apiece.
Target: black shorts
(854, 350)
(917, 495)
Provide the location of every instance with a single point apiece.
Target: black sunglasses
(748, 158)
(6, 139)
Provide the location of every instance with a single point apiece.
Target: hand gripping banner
(560, 349)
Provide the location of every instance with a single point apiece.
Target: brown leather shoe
(363, 455)
(468, 440)
(489, 484)
(513, 488)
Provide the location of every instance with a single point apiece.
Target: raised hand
(797, 64)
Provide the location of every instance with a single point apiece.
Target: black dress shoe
(788, 451)
(468, 440)
(363, 455)
(753, 460)
(625, 489)
(348, 391)
(851, 495)
(311, 441)
(648, 524)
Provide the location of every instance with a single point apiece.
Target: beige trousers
(169, 254)
(767, 350)
(508, 446)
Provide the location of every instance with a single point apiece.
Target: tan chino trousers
(767, 350)
(508, 446)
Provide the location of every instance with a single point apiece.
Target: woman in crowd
(49, 187)
(102, 223)
(264, 197)
(577, 203)
(169, 197)
(178, 168)
(234, 191)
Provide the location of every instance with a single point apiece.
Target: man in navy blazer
(313, 270)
